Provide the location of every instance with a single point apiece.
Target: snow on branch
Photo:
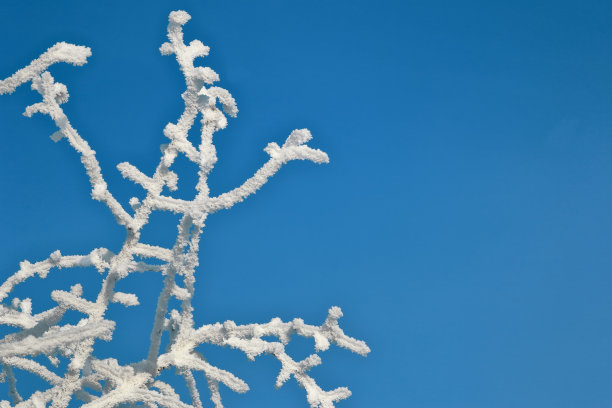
(105, 382)
(54, 94)
(60, 52)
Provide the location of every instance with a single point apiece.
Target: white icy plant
(105, 382)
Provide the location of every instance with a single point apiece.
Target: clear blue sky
(464, 224)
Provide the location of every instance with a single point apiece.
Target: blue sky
(464, 224)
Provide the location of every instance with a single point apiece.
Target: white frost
(104, 382)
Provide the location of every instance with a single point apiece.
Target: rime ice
(104, 382)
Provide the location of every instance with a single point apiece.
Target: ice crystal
(104, 382)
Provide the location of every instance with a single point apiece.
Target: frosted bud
(76, 289)
(179, 17)
(206, 75)
(171, 131)
(197, 49)
(298, 137)
(98, 191)
(335, 312)
(134, 203)
(166, 48)
(26, 305)
(273, 149)
(61, 93)
(229, 325)
(56, 256)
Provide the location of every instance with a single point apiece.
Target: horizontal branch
(328, 332)
(60, 52)
(250, 340)
(48, 342)
(98, 258)
(33, 367)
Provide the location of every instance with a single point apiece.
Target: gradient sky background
(464, 224)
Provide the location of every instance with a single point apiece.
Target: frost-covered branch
(54, 94)
(105, 383)
(294, 149)
(249, 339)
(60, 52)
